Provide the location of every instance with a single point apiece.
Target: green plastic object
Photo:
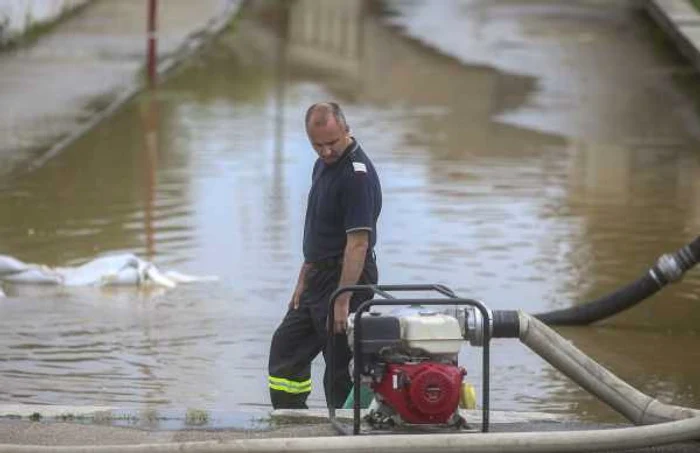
(366, 397)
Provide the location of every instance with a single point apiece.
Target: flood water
(533, 155)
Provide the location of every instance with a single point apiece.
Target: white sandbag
(36, 275)
(108, 270)
(10, 265)
(94, 272)
(129, 276)
(154, 275)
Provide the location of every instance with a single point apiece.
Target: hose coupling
(503, 324)
(474, 327)
(670, 267)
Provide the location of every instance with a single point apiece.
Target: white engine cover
(430, 331)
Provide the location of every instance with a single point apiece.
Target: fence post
(152, 57)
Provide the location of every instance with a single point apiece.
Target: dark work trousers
(303, 334)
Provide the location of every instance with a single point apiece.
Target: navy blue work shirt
(345, 196)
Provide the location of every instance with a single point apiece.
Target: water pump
(408, 356)
(409, 359)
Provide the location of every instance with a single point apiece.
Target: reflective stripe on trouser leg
(289, 386)
(294, 346)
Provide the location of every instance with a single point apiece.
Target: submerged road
(534, 155)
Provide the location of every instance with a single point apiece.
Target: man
(340, 232)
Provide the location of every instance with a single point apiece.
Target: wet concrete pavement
(55, 86)
(57, 434)
(41, 435)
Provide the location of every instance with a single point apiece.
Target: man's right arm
(301, 284)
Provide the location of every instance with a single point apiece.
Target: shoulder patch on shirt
(359, 167)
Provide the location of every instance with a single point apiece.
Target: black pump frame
(383, 291)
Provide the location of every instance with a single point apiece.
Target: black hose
(604, 307)
(695, 247)
(669, 268)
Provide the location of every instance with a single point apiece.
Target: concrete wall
(19, 16)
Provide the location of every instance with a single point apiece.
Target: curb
(191, 45)
(680, 21)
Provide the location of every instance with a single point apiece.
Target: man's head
(327, 130)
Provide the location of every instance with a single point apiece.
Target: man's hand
(299, 289)
(340, 314)
(294, 302)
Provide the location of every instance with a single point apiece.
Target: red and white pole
(152, 57)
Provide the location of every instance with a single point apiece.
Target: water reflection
(149, 115)
(87, 202)
(653, 188)
(211, 174)
(277, 201)
(642, 358)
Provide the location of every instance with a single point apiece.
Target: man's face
(329, 141)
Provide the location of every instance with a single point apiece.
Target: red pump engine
(422, 393)
(409, 359)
